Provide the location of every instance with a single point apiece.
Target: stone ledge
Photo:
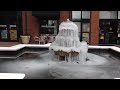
(21, 46)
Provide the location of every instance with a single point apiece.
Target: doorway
(9, 26)
(108, 32)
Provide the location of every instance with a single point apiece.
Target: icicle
(66, 58)
(58, 57)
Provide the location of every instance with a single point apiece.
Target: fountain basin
(17, 50)
(35, 63)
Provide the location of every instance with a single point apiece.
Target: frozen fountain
(68, 48)
(67, 45)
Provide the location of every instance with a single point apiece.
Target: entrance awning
(46, 14)
(8, 13)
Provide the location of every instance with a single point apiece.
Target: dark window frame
(17, 15)
(82, 20)
(109, 20)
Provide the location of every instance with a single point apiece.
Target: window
(118, 33)
(108, 15)
(82, 20)
(108, 27)
(49, 27)
(85, 14)
(85, 31)
(9, 25)
(79, 28)
(48, 31)
(76, 15)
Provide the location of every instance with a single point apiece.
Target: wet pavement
(39, 66)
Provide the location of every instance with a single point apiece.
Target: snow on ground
(12, 75)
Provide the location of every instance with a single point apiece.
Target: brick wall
(94, 24)
(64, 15)
(33, 25)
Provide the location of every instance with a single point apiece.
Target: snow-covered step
(12, 76)
(21, 46)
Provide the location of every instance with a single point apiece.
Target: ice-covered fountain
(73, 58)
(67, 45)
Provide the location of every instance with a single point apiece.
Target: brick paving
(8, 44)
(117, 46)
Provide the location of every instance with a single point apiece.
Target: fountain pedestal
(62, 55)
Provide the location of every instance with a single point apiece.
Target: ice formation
(67, 44)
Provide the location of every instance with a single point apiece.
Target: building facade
(95, 27)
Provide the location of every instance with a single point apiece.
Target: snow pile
(67, 41)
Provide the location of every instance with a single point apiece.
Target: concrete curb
(20, 46)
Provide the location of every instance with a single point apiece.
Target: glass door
(48, 30)
(108, 32)
(49, 27)
(4, 32)
(8, 27)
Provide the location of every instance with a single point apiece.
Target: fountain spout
(68, 20)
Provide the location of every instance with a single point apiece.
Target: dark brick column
(32, 25)
(64, 15)
(94, 24)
